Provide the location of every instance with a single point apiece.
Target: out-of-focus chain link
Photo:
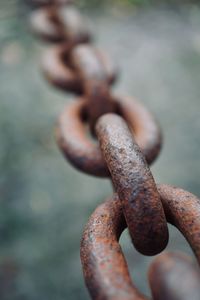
(128, 140)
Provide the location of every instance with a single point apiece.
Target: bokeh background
(44, 202)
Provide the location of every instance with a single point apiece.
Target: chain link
(126, 140)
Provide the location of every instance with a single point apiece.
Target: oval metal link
(60, 23)
(69, 70)
(84, 154)
(134, 184)
(174, 276)
(104, 266)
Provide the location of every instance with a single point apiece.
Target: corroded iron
(93, 64)
(73, 140)
(60, 23)
(97, 73)
(134, 184)
(56, 67)
(72, 68)
(173, 276)
(141, 204)
(99, 102)
(182, 210)
(84, 154)
(104, 266)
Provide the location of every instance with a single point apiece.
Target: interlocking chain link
(128, 140)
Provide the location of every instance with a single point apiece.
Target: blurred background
(44, 202)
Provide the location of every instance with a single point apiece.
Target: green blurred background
(44, 202)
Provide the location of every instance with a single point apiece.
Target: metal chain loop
(58, 24)
(130, 140)
(104, 266)
(84, 154)
(69, 67)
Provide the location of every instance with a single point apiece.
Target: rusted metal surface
(56, 67)
(182, 209)
(84, 70)
(130, 140)
(84, 154)
(143, 125)
(99, 102)
(70, 68)
(105, 270)
(73, 140)
(104, 266)
(173, 276)
(60, 23)
(97, 73)
(93, 64)
(134, 184)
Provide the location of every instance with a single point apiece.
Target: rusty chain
(128, 140)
